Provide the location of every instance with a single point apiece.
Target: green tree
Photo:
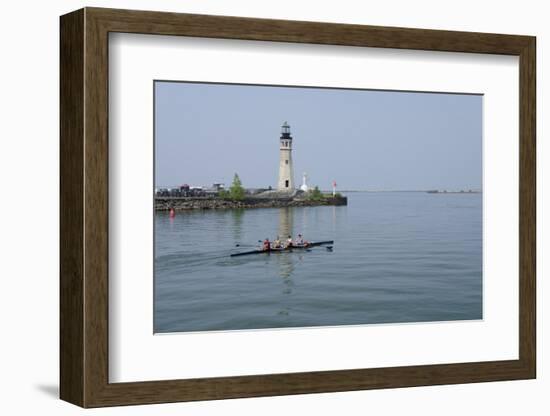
(236, 191)
(315, 194)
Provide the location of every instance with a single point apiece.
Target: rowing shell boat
(293, 247)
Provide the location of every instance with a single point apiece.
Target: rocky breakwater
(273, 200)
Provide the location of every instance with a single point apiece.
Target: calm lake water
(397, 257)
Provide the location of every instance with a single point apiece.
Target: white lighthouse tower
(286, 172)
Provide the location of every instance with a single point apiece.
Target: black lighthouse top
(285, 131)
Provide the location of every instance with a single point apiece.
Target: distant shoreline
(411, 190)
(442, 191)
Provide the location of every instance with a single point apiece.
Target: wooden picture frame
(84, 207)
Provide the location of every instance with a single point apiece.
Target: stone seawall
(189, 203)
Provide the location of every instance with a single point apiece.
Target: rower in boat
(300, 241)
(288, 243)
(266, 245)
(277, 243)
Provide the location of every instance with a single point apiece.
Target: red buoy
(172, 213)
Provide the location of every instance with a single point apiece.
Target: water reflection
(286, 221)
(286, 225)
(237, 216)
(286, 261)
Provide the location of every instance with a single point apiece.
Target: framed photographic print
(255, 207)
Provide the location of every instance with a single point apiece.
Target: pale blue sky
(363, 139)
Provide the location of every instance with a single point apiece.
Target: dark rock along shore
(190, 203)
